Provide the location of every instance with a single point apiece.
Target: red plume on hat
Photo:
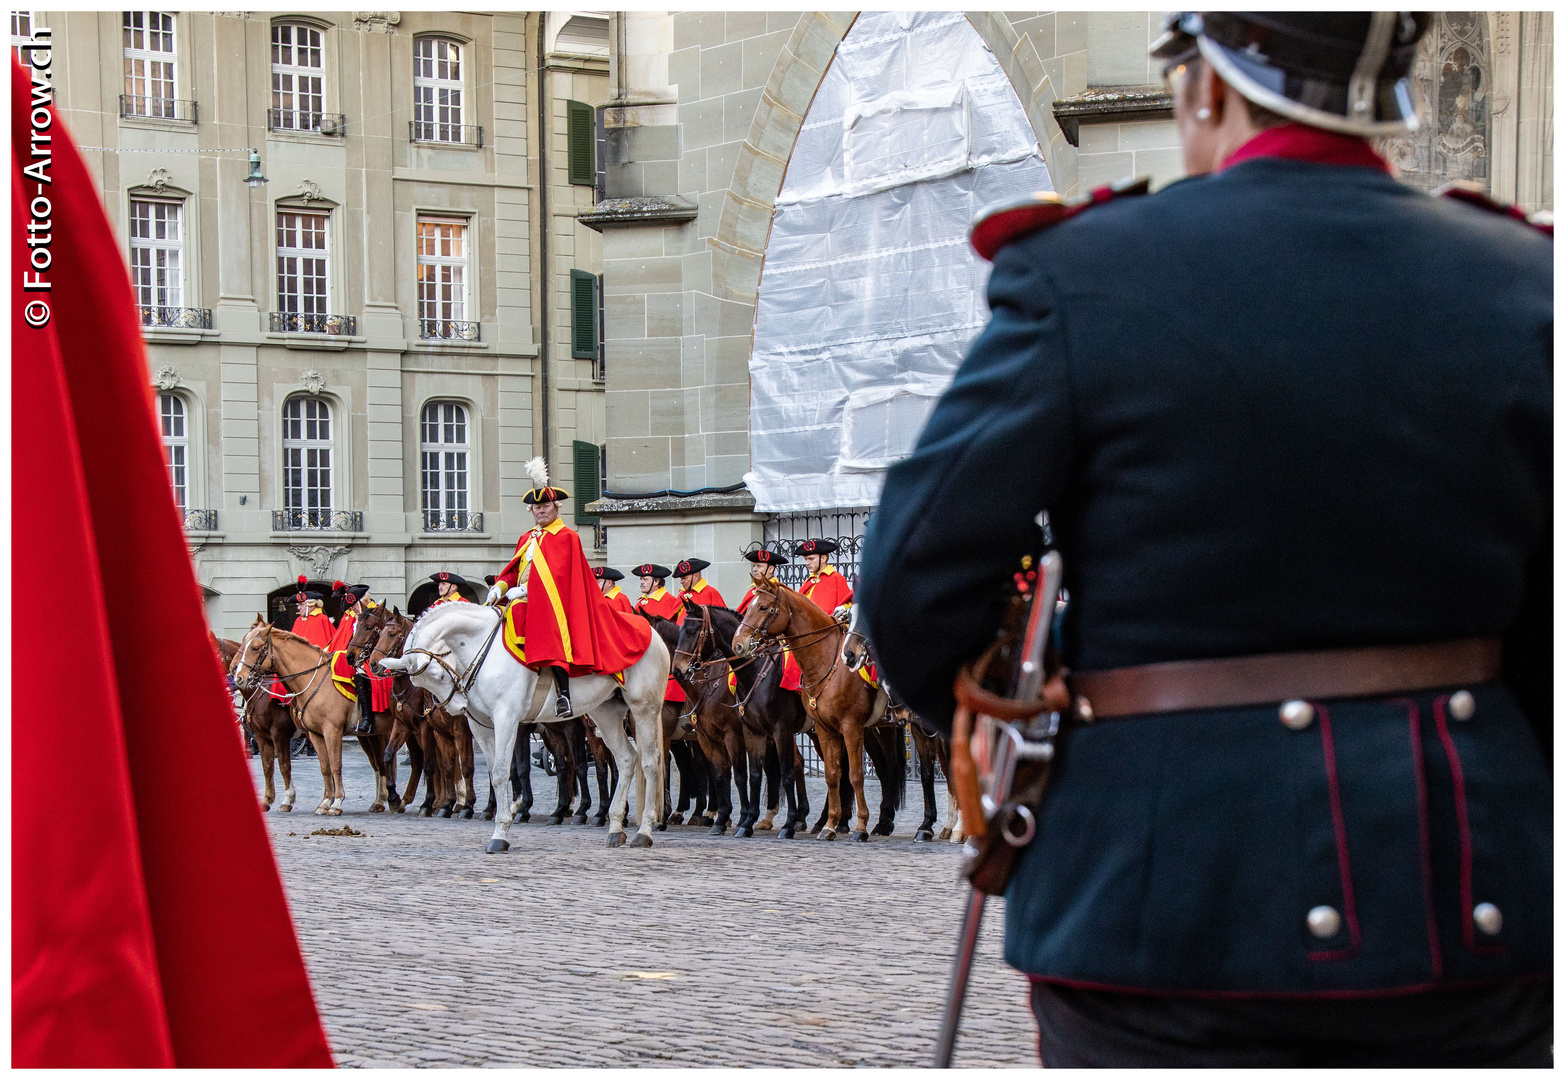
(302, 579)
(337, 586)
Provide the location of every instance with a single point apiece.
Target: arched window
(444, 446)
(176, 445)
(307, 445)
(298, 72)
(437, 90)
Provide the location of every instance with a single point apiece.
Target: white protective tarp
(870, 294)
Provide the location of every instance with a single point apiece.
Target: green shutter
(584, 315)
(587, 486)
(580, 135)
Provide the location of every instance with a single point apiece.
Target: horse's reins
(765, 638)
(293, 696)
(698, 662)
(463, 682)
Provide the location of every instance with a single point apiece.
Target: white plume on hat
(538, 470)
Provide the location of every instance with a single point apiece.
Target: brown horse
(272, 728)
(841, 703)
(316, 706)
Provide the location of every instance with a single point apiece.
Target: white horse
(501, 695)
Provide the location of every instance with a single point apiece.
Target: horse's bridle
(765, 637)
(460, 682)
(253, 680)
(693, 670)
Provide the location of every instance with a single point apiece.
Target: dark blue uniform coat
(1287, 406)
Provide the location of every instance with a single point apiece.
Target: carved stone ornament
(376, 20)
(166, 378)
(158, 180)
(317, 558)
(313, 381)
(309, 190)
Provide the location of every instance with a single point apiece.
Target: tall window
(149, 62)
(307, 462)
(156, 265)
(171, 412)
(21, 33)
(301, 262)
(445, 448)
(297, 73)
(437, 90)
(442, 279)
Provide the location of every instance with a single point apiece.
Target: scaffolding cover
(870, 294)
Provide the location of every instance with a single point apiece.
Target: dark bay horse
(271, 726)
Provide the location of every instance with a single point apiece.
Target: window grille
(171, 415)
(444, 439)
(437, 90)
(298, 71)
(301, 263)
(157, 245)
(21, 34)
(307, 454)
(442, 277)
(149, 62)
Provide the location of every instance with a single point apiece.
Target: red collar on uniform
(1303, 143)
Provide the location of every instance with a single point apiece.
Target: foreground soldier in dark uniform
(1285, 406)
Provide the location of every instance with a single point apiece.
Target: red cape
(152, 934)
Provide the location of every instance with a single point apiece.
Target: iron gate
(846, 526)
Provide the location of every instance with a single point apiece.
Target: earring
(1203, 114)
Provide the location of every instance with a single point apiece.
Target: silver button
(1324, 922)
(1297, 716)
(1461, 706)
(1084, 710)
(1487, 918)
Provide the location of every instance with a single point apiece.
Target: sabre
(1028, 685)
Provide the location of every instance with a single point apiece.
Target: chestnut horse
(841, 703)
(271, 725)
(316, 706)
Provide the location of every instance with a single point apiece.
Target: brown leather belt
(1274, 677)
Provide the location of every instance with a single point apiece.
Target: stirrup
(562, 705)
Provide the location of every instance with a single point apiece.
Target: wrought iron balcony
(311, 123)
(447, 330)
(181, 318)
(300, 322)
(158, 108)
(201, 520)
(453, 521)
(317, 521)
(430, 131)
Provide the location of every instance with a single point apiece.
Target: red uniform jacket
(703, 594)
(828, 589)
(453, 597)
(344, 632)
(567, 621)
(619, 601)
(316, 629)
(664, 603)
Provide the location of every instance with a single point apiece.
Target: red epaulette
(1000, 223)
(1474, 195)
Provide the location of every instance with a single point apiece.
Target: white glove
(843, 614)
(496, 591)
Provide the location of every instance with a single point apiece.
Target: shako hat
(767, 557)
(690, 566)
(815, 547)
(446, 575)
(607, 573)
(652, 569)
(1343, 71)
(538, 471)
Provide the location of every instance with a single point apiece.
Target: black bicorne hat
(607, 573)
(652, 569)
(446, 575)
(1343, 71)
(488, 579)
(815, 547)
(538, 496)
(767, 557)
(690, 566)
(354, 593)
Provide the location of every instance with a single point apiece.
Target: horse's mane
(289, 635)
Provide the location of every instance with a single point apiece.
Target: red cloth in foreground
(152, 931)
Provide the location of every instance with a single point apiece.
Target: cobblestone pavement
(702, 951)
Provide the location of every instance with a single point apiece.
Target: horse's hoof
(923, 836)
(488, 815)
(335, 811)
(785, 833)
(661, 826)
(675, 819)
(884, 828)
(496, 846)
(827, 834)
(377, 809)
(945, 833)
(816, 829)
(555, 819)
(616, 839)
(284, 808)
(399, 808)
(718, 829)
(764, 826)
(859, 836)
(265, 807)
(467, 815)
(745, 831)
(521, 817)
(599, 822)
(641, 839)
(444, 811)
(426, 811)
(579, 819)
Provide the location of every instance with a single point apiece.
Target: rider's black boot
(562, 692)
(361, 689)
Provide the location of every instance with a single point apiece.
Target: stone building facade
(704, 113)
(353, 360)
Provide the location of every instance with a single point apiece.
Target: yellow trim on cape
(536, 558)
